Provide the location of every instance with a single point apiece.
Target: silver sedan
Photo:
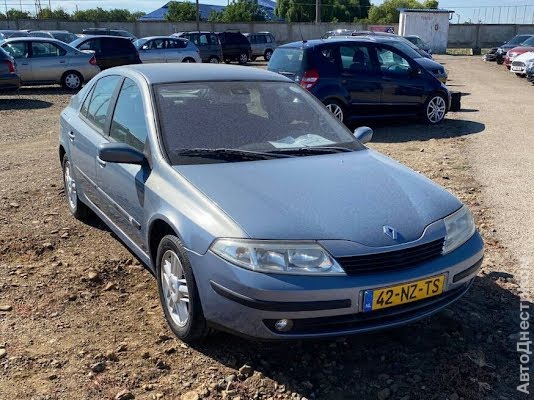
(42, 61)
(165, 49)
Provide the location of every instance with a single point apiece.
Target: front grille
(392, 260)
(518, 64)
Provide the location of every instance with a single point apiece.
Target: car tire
(434, 109)
(188, 60)
(214, 60)
(178, 291)
(243, 58)
(72, 80)
(336, 108)
(267, 55)
(78, 209)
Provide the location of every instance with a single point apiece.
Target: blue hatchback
(258, 211)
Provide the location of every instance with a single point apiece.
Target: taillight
(92, 61)
(309, 79)
(10, 66)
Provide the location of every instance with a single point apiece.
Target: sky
(486, 11)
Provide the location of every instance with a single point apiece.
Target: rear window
(287, 59)
(117, 46)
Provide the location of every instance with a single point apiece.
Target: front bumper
(249, 303)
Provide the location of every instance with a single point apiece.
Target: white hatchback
(520, 63)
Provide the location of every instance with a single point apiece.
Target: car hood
(346, 196)
(521, 49)
(529, 55)
(429, 64)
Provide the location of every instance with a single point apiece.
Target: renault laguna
(259, 212)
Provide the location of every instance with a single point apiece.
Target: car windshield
(139, 43)
(528, 42)
(402, 46)
(262, 118)
(518, 39)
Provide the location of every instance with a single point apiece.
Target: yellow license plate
(377, 299)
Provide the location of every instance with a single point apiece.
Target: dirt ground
(82, 318)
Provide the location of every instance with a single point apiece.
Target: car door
(153, 51)
(86, 134)
(123, 184)
(174, 50)
(20, 51)
(48, 61)
(361, 79)
(402, 88)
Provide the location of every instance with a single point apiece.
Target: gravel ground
(80, 317)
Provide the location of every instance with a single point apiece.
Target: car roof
(50, 31)
(104, 36)
(161, 37)
(33, 39)
(333, 39)
(171, 73)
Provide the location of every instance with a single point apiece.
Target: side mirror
(364, 134)
(415, 71)
(120, 153)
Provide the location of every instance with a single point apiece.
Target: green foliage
(182, 11)
(241, 11)
(387, 13)
(99, 14)
(57, 14)
(331, 10)
(14, 14)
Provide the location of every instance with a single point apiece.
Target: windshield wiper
(313, 150)
(230, 154)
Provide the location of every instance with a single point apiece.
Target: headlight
(304, 258)
(460, 227)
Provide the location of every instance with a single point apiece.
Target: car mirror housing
(364, 134)
(120, 153)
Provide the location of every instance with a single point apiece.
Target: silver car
(64, 36)
(165, 49)
(43, 61)
(262, 44)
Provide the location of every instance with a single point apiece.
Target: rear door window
(176, 44)
(97, 108)
(44, 49)
(17, 49)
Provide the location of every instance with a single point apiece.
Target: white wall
(432, 27)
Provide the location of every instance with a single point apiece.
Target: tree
(242, 11)
(387, 12)
(99, 14)
(331, 10)
(57, 14)
(15, 14)
(182, 11)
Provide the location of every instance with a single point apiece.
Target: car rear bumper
(249, 303)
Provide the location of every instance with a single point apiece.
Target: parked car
(420, 43)
(109, 32)
(208, 44)
(377, 247)
(235, 47)
(43, 61)
(530, 72)
(64, 36)
(9, 33)
(393, 36)
(526, 46)
(506, 46)
(9, 79)
(520, 63)
(110, 51)
(164, 49)
(363, 77)
(262, 45)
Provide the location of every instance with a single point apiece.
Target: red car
(527, 45)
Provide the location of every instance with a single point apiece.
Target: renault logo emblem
(391, 232)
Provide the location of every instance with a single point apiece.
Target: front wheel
(336, 109)
(72, 80)
(78, 209)
(178, 291)
(435, 109)
(267, 55)
(188, 60)
(213, 60)
(243, 58)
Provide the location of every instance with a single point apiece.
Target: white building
(431, 25)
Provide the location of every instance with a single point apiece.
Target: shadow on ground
(465, 349)
(23, 104)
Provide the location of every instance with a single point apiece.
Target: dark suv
(235, 47)
(110, 51)
(109, 32)
(361, 78)
(207, 43)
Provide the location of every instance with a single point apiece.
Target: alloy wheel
(336, 110)
(70, 186)
(214, 60)
(435, 109)
(174, 286)
(243, 58)
(72, 81)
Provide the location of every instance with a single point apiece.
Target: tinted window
(117, 46)
(91, 44)
(129, 124)
(97, 109)
(65, 37)
(269, 39)
(17, 49)
(261, 39)
(213, 39)
(156, 44)
(176, 44)
(40, 49)
(355, 59)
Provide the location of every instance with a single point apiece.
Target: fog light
(283, 325)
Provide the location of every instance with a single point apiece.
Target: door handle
(62, 62)
(71, 135)
(101, 162)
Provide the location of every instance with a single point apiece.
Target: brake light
(92, 61)
(10, 66)
(309, 79)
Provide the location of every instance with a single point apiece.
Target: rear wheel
(267, 55)
(188, 60)
(214, 60)
(72, 80)
(178, 291)
(435, 109)
(78, 209)
(336, 108)
(243, 58)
